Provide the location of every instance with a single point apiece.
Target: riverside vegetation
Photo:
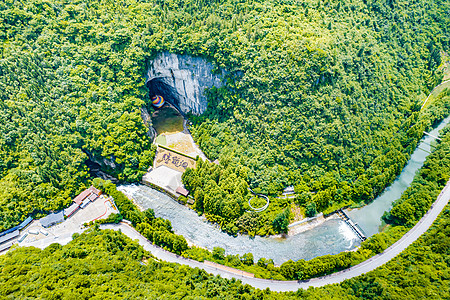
(60, 272)
(105, 264)
(406, 211)
(221, 191)
(319, 94)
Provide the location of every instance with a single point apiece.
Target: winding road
(439, 85)
(275, 285)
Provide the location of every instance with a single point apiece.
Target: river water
(369, 216)
(330, 237)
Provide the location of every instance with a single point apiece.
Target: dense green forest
(320, 94)
(323, 95)
(104, 264)
(220, 191)
(406, 211)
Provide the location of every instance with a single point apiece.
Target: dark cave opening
(158, 86)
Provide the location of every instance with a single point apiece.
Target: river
(369, 217)
(330, 237)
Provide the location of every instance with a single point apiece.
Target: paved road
(440, 84)
(275, 285)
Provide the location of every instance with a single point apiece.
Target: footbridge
(354, 226)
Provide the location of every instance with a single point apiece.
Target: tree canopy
(318, 94)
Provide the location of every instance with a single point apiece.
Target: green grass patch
(257, 202)
(161, 140)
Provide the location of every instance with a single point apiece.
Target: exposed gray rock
(102, 161)
(151, 133)
(182, 80)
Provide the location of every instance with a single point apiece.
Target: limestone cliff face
(151, 133)
(182, 80)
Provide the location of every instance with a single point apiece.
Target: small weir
(433, 136)
(354, 226)
(331, 236)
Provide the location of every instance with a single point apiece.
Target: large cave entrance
(158, 86)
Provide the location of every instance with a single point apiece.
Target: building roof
(165, 177)
(18, 227)
(71, 209)
(95, 190)
(51, 219)
(25, 222)
(289, 189)
(85, 202)
(9, 230)
(182, 191)
(5, 246)
(86, 193)
(9, 236)
(79, 199)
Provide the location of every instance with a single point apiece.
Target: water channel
(330, 237)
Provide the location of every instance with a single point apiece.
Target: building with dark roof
(52, 219)
(10, 235)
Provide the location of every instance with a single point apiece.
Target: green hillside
(320, 94)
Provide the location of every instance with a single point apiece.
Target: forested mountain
(323, 93)
(405, 213)
(320, 94)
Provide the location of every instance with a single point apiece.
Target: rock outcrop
(151, 133)
(102, 161)
(182, 80)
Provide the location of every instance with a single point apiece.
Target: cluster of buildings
(82, 200)
(12, 233)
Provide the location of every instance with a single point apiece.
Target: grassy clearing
(161, 140)
(258, 202)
